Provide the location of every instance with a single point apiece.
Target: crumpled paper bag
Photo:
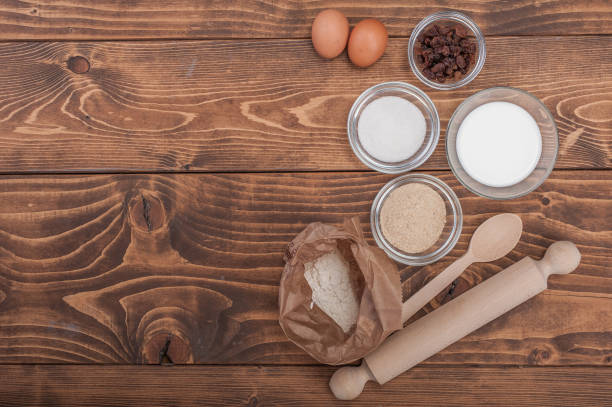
(380, 309)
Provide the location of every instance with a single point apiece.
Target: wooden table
(157, 157)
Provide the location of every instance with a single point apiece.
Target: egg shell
(367, 42)
(330, 31)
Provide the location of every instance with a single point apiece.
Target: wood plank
(231, 106)
(109, 19)
(115, 268)
(305, 386)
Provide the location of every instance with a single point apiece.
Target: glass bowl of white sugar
(502, 143)
(393, 127)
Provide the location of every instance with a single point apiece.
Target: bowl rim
(463, 19)
(548, 170)
(449, 196)
(390, 168)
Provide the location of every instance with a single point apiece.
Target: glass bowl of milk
(393, 127)
(502, 143)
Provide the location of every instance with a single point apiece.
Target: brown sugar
(412, 217)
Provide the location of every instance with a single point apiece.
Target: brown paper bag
(312, 329)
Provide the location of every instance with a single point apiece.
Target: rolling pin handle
(560, 258)
(348, 382)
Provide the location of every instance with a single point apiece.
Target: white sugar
(391, 129)
(499, 144)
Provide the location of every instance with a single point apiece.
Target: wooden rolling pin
(455, 319)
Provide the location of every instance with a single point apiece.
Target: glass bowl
(445, 18)
(548, 132)
(411, 94)
(450, 233)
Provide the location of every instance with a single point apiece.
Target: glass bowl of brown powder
(416, 219)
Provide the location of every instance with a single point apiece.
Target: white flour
(391, 129)
(329, 278)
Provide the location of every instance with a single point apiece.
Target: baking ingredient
(334, 288)
(367, 42)
(499, 144)
(445, 53)
(330, 32)
(378, 292)
(412, 217)
(391, 129)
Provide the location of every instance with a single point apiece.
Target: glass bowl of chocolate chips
(446, 50)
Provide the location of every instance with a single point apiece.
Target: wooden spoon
(492, 240)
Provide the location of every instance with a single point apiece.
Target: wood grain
(134, 268)
(109, 19)
(305, 386)
(231, 106)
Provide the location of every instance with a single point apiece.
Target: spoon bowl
(496, 237)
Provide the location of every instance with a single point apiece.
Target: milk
(391, 129)
(499, 144)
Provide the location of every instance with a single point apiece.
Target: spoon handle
(422, 297)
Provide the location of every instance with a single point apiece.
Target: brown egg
(330, 31)
(367, 43)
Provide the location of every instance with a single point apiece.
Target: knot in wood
(456, 288)
(146, 212)
(166, 348)
(538, 356)
(78, 64)
(253, 402)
